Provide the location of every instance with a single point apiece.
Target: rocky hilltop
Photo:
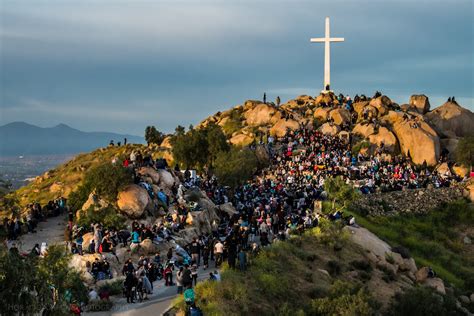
(411, 129)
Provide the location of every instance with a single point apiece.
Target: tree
(464, 153)
(26, 283)
(106, 179)
(339, 192)
(190, 149)
(236, 166)
(216, 142)
(153, 136)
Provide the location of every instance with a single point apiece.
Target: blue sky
(114, 65)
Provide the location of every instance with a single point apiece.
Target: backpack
(195, 311)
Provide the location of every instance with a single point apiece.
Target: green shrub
(343, 299)
(363, 265)
(235, 167)
(464, 153)
(108, 217)
(106, 180)
(114, 288)
(334, 267)
(422, 301)
(359, 146)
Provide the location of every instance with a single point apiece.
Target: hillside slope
(65, 178)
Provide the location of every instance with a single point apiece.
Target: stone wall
(418, 201)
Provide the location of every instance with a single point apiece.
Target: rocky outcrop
(364, 130)
(340, 116)
(452, 120)
(419, 201)
(385, 137)
(133, 200)
(259, 115)
(421, 143)
(147, 247)
(329, 129)
(228, 208)
(281, 126)
(419, 103)
(381, 104)
(150, 173)
(167, 180)
(321, 114)
(469, 191)
(241, 140)
(166, 143)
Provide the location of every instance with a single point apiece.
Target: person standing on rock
(278, 101)
(265, 97)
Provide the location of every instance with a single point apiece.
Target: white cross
(327, 51)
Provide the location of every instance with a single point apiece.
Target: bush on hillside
(108, 217)
(339, 192)
(234, 167)
(422, 301)
(344, 299)
(359, 146)
(464, 153)
(106, 180)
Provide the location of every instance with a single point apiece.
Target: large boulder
(421, 143)
(86, 240)
(422, 274)
(369, 241)
(364, 130)
(259, 115)
(382, 104)
(340, 116)
(419, 103)
(167, 180)
(451, 120)
(147, 247)
(150, 173)
(321, 114)
(228, 208)
(187, 235)
(325, 98)
(81, 264)
(282, 125)
(436, 284)
(386, 137)
(241, 140)
(166, 143)
(133, 200)
(94, 202)
(329, 129)
(469, 191)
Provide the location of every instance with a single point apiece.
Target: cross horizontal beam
(323, 39)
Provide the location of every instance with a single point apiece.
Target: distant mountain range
(20, 138)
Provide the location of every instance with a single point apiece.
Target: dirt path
(51, 232)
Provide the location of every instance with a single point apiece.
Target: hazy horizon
(118, 66)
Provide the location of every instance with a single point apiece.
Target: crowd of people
(277, 202)
(17, 225)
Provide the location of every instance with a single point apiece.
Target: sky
(118, 66)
